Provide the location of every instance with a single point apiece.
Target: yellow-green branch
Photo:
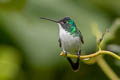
(106, 68)
(100, 52)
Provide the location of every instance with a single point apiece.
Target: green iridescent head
(68, 24)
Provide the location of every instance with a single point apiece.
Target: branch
(106, 68)
(100, 52)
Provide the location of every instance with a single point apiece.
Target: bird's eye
(64, 22)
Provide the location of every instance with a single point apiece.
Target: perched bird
(70, 39)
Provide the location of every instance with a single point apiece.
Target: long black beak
(49, 19)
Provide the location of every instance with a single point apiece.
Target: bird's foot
(79, 54)
(65, 53)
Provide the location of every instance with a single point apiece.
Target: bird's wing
(59, 40)
(81, 37)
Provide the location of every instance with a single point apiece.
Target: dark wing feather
(59, 42)
(81, 37)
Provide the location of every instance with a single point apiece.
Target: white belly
(69, 43)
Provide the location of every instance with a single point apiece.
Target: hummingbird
(70, 39)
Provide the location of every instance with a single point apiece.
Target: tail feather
(75, 66)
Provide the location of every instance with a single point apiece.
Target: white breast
(69, 43)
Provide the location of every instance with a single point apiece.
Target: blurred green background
(29, 48)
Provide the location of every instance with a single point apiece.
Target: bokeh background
(29, 48)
